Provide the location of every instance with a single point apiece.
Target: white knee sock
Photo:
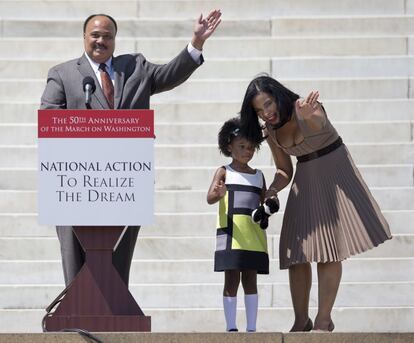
(230, 309)
(251, 303)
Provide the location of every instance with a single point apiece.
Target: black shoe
(308, 327)
(233, 330)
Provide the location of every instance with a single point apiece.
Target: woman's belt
(318, 153)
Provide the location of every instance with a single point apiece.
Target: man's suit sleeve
(167, 76)
(54, 96)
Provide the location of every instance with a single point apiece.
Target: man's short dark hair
(99, 15)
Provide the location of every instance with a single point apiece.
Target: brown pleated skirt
(330, 213)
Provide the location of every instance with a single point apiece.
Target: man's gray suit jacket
(136, 80)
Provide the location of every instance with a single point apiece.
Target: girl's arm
(217, 188)
(284, 169)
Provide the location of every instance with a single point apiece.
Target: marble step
(339, 88)
(216, 47)
(355, 270)
(233, 89)
(206, 132)
(266, 8)
(172, 27)
(178, 248)
(235, 47)
(209, 295)
(338, 110)
(201, 133)
(388, 198)
(358, 319)
(200, 178)
(215, 68)
(349, 66)
(207, 155)
(283, 67)
(343, 25)
(147, 27)
(39, 9)
(233, 9)
(198, 337)
(362, 154)
(177, 224)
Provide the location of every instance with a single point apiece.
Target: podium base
(97, 299)
(111, 323)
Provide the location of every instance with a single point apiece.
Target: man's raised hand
(204, 28)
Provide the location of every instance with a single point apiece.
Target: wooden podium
(99, 173)
(98, 300)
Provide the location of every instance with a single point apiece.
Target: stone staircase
(358, 54)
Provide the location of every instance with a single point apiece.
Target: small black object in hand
(261, 214)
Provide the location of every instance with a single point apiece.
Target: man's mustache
(100, 46)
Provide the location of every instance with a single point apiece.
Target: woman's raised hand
(306, 107)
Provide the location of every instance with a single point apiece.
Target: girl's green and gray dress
(240, 243)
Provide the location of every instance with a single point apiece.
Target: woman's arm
(264, 189)
(284, 169)
(218, 187)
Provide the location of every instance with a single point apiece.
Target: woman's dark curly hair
(284, 98)
(230, 130)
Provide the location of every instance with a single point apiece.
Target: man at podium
(99, 80)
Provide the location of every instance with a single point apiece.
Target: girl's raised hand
(220, 189)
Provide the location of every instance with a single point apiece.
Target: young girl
(241, 245)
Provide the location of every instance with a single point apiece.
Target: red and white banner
(96, 167)
(96, 124)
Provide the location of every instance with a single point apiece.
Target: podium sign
(96, 167)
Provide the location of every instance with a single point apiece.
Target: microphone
(88, 87)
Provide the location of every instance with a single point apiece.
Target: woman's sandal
(308, 327)
(331, 327)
